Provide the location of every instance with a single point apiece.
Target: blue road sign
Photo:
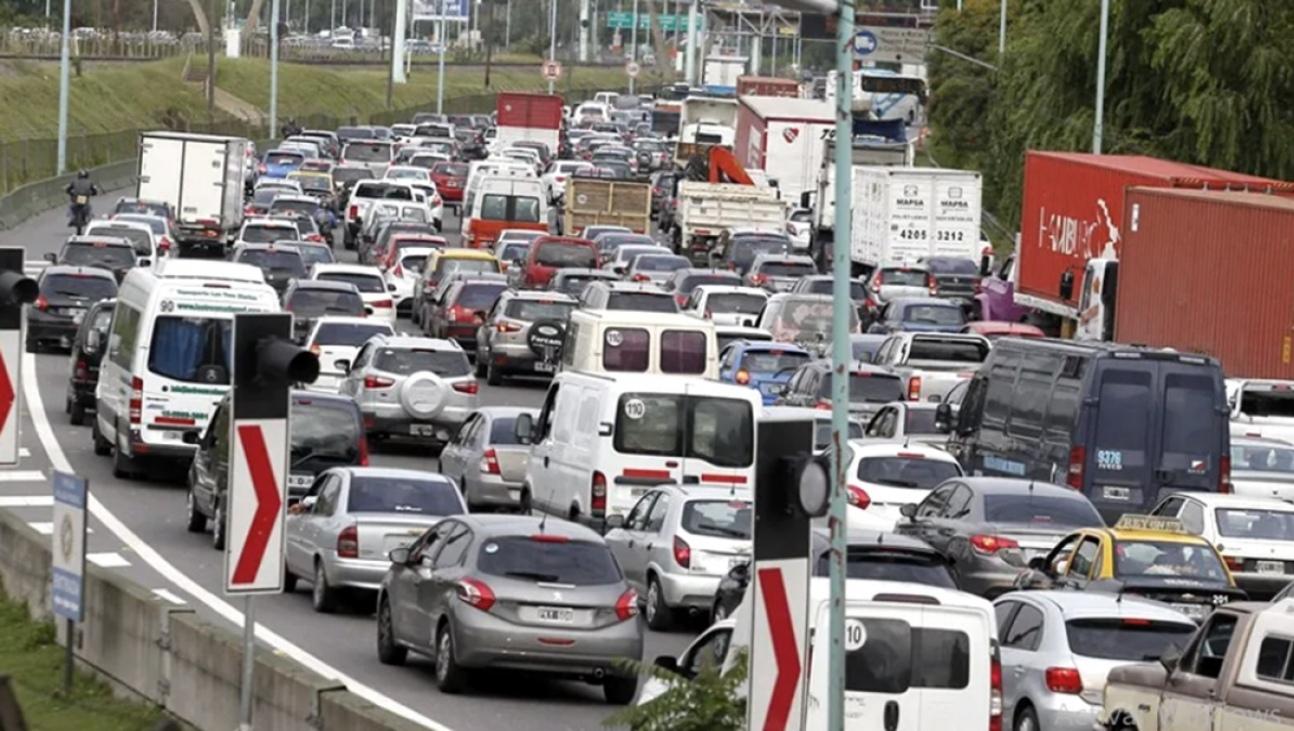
(68, 564)
(865, 43)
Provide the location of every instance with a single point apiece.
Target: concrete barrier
(31, 199)
(171, 657)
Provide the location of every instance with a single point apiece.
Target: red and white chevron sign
(257, 498)
(778, 647)
(10, 361)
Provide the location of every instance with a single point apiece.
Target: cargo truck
(705, 210)
(529, 118)
(882, 144)
(786, 138)
(703, 123)
(602, 202)
(720, 73)
(201, 177)
(905, 214)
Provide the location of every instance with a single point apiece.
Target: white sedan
(885, 477)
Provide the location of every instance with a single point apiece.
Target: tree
(711, 701)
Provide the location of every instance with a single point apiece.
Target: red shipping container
(529, 110)
(1209, 272)
(767, 86)
(1072, 210)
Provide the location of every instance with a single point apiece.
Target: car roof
(365, 471)
(1085, 604)
(464, 254)
(1015, 485)
(539, 294)
(862, 449)
(867, 538)
(323, 267)
(913, 301)
(400, 340)
(1220, 500)
(347, 320)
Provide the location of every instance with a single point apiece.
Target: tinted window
(363, 282)
(324, 430)
(1123, 421)
(372, 494)
(281, 207)
(718, 430)
(360, 152)
(283, 158)
(896, 565)
(479, 296)
(920, 421)
(659, 263)
(98, 254)
(872, 388)
(903, 277)
(718, 518)
(77, 286)
(897, 657)
(917, 473)
(786, 269)
(682, 351)
(1134, 640)
(403, 361)
(1039, 509)
(642, 301)
(961, 351)
(311, 255)
(182, 345)
(933, 315)
(502, 430)
(626, 349)
(1026, 629)
(558, 254)
(744, 304)
(1156, 558)
(316, 302)
(351, 175)
(1256, 524)
(581, 563)
(348, 333)
(531, 310)
(1275, 402)
(267, 234)
(772, 361)
(952, 265)
(288, 262)
(1191, 420)
(1274, 659)
(744, 249)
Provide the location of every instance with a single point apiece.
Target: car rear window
(78, 286)
(746, 248)
(870, 388)
(729, 280)
(1040, 509)
(959, 351)
(98, 254)
(933, 314)
(626, 349)
(660, 263)
(642, 302)
(452, 169)
(480, 296)
(290, 206)
(718, 518)
(284, 158)
(1258, 524)
(257, 234)
(1262, 458)
(514, 251)
(351, 175)
(279, 261)
(772, 361)
(787, 269)
(352, 334)
(532, 310)
(897, 657)
(682, 351)
(445, 265)
(717, 430)
(857, 290)
(1123, 422)
(317, 302)
(1123, 638)
(952, 265)
(324, 431)
(927, 569)
(140, 240)
(373, 494)
(920, 421)
(406, 361)
(903, 277)
(363, 282)
(367, 152)
(742, 304)
(566, 255)
(912, 472)
(557, 561)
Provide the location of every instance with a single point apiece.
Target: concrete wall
(173, 658)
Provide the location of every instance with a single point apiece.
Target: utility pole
(64, 64)
(274, 68)
(1001, 30)
(306, 24)
(440, 72)
(211, 62)
(397, 46)
(584, 31)
(633, 45)
(507, 27)
(1098, 126)
(154, 13)
(689, 63)
(552, 39)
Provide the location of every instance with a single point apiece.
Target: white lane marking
(26, 501)
(168, 596)
(108, 560)
(45, 529)
(22, 476)
(146, 553)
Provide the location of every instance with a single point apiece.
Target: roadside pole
(68, 562)
(633, 47)
(397, 45)
(1098, 126)
(63, 81)
(440, 71)
(274, 68)
(1001, 30)
(841, 357)
(689, 60)
(552, 39)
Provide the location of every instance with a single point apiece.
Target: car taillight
(136, 399)
(381, 303)
(640, 278)
(989, 545)
(363, 450)
(42, 303)
(1077, 463)
(469, 387)
(490, 462)
(1224, 474)
(914, 388)
(742, 377)
(378, 382)
(1064, 680)
(458, 313)
(680, 299)
(682, 553)
(758, 279)
(995, 692)
(81, 371)
(164, 245)
(348, 542)
(627, 605)
(314, 237)
(249, 211)
(932, 285)
(857, 497)
(508, 327)
(1234, 563)
(476, 593)
(598, 504)
(354, 211)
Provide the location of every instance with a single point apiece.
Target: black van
(1124, 424)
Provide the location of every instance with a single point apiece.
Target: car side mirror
(908, 510)
(93, 341)
(342, 365)
(615, 521)
(667, 662)
(748, 322)
(368, 310)
(943, 417)
(52, 258)
(145, 262)
(390, 287)
(1038, 563)
(397, 555)
(1171, 657)
(524, 428)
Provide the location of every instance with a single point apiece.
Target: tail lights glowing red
(490, 462)
(377, 382)
(1064, 680)
(914, 388)
(989, 545)
(627, 605)
(1077, 463)
(136, 399)
(857, 497)
(1224, 474)
(470, 388)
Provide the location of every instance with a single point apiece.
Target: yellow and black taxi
(1151, 557)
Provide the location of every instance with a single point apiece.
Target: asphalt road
(140, 531)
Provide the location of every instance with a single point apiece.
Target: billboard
(453, 10)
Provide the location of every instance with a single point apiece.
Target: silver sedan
(339, 535)
(486, 459)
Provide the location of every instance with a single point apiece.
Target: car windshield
(645, 263)
(314, 183)
(352, 334)
(370, 283)
(260, 234)
(318, 302)
(1125, 638)
(803, 319)
(881, 564)
(787, 269)
(903, 277)
(1258, 524)
(480, 295)
(324, 428)
(772, 361)
(554, 560)
(1166, 558)
(742, 304)
(182, 346)
(566, 255)
(407, 361)
(1034, 509)
(313, 254)
(960, 351)
(78, 286)
(900, 471)
(642, 302)
(452, 169)
(717, 430)
(286, 262)
(367, 152)
(155, 224)
(718, 518)
(933, 314)
(409, 495)
(140, 240)
(952, 265)
(1262, 458)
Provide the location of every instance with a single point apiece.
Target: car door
(411, 610)
(205, 488)
(656, 547)
(1082, 568)
(317, 531)
(626, 540)
(540, 469)
(1022, 666)
(453, 457)
(296, 555)
(352, 382)
(921, 523)
(436, 592)
(1189, 697)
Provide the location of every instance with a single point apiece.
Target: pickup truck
(1261, 408)
(932, 363)
(1233, 675)
(362, 197)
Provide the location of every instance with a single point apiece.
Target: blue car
(278, 163)
(762, 365)
(920, 314)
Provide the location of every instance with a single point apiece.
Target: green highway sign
(625, 20)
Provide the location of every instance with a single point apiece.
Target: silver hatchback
(412, 386)
(511, 592)
(487, 459)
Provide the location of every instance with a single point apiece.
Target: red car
(549, 253)
(450, 179)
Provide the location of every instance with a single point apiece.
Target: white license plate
(542, 367)
(557, 615)
(1116, 493)
(422, 430)
(300, 480)
(1271, 567)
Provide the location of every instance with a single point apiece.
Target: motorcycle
(79, 213)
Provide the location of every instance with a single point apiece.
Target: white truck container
(904, 214)
(705, 210)
(866, 151)
(784, 137)
(719, 75)
(201, 177)
(703, 123)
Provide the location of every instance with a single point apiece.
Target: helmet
(82, 173)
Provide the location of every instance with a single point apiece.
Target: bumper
(526, 362)
(482, 640)
(355, 573)
(694, 591)
(1261, 587)
(392, 419)
(493, 491)
(51, 327)
(162, 444)
(1059, 712)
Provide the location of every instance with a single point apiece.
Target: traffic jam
(547, 340)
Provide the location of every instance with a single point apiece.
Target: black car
(66, 294)
(956, 278)
(310, 299)
(325, 431)
(573, 281)
(100, 252)
(87, 351)
(869, 555)
(280, 264)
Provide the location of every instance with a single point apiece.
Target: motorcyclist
(290, 128)
(79, 191)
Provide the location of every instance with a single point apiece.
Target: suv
(1125, 425)
(113, 254)
(412, 386)
(736, 249)
(66, 293)
(325, 431)
(310, 299)
(522, 334)
(779, 272)
(870, 387)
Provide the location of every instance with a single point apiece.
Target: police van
(629, 341)
(168, 355)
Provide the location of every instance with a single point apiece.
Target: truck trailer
(905, 214)
(202, 178)
(784, 137)
(529, 118)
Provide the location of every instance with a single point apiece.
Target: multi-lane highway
(139, 529)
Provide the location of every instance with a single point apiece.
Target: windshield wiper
(537, 576)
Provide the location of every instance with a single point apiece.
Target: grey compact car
(677, 543)
(1058, 648)
(511, 592)
(521, 334)
(487, 459)
(338, 536)
(411, 386)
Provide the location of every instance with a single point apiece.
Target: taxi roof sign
(1151, 523)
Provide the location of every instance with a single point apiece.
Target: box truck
(720, 73)
(877, 143)
(905, 214)
(785, 138)
(1072, 211)
(706, 210)
(201, 177)
(703, 123)
(528, 118)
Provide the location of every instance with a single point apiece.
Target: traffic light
(266, 363)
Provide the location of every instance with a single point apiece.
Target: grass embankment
(34, 662)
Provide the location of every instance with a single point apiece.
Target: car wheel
(218, 528)
(493, 374)
(450, 676)
(659, 616)
(620, 691)
(1026, 719)
(122, 466)
(76, 414)
(289, 581)
(525, 506)
(322, 597)
(101, 446)
(67, 404)
(388, 652)
(197, 522)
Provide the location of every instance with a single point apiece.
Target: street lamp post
(1098, 126)
(274, 67)
(633, 44)
(552, 39)
(64, 62)
(1001, 29)
(440, 70)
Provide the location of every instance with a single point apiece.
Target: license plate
(422, 430)
(1271, 567)
(542, 367)
(1116, 493)
(557, 615)
(300, 480)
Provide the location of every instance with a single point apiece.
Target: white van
(503, 202)
(600, 442)
(927, 654)
(627, 341)
(478, 170)
(167, 361)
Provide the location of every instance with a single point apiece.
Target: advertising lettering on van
(1080, 237)
(215, 293)
(635, 409)
(197, 391)
(911, 197)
